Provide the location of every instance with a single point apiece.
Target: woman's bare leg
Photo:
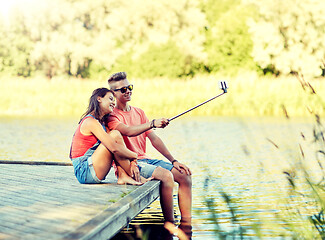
(102, 161)
(123, 163)
(123, 177)
(103, 158)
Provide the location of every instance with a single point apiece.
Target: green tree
(63, 39)
(161, 38)
(15, 47)
(228, 42)
(150, 38)
(289, 36)
(159, 60)
(81, 37)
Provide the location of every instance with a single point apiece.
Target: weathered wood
(117, 215)
(47, 202)
(35, 162)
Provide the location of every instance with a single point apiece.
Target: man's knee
(163, 175)
(183, 179)
(188, 180)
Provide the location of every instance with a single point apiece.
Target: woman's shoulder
(89, 120)
(87, 125)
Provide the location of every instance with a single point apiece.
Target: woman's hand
(135, 171)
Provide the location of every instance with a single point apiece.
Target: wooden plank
(109, 222)
(35, 162)
(47, 202)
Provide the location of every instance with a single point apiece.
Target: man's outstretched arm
(132, 131)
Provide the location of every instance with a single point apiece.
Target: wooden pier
(45, 201)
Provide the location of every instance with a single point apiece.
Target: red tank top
(81, 143)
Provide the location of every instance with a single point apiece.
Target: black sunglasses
(124, 89)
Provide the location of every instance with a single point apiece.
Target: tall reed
(306, 186)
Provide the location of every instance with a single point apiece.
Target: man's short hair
(117, 77)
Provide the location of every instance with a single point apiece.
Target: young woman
(93, 149)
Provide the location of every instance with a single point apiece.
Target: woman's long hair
(94, 107)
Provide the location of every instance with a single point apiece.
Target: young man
(135, 128)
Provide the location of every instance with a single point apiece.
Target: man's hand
(135, 171)
(161, 122)
(182, 168)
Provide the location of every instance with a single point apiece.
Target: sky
(6, 6)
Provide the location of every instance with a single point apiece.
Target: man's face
(122, 90)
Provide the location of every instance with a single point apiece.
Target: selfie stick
(222, 85)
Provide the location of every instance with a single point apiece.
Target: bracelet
(174, 161)
(152, 124)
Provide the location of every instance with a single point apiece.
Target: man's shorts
(147, 166)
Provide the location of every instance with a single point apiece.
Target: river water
(241, 159)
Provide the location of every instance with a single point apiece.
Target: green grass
(248, 95)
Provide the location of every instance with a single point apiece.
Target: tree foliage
(160, 38)
(228, 43)
(289, 36)
(90, 39)
(79, 37)
(15, 48)
(159, 60)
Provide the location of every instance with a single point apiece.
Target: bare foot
(126, 179)
(144, 180)
(186, 227)
(175, 231)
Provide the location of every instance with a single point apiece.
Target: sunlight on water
(245, 158)
(37, 139)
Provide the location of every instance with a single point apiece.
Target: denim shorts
(147, 166)
(84, 169)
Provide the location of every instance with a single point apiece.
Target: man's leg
(184, 190)
(184, 200)
(166, 192)
(184, 194)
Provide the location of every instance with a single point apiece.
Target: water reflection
(235, 155)
(141, 228)
(150, 225)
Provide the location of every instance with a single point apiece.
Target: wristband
(152, 124)
(174, 161)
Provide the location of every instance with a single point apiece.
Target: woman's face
(107, 103)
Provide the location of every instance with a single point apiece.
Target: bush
(164, 60)
(228, 42)
(289, 36)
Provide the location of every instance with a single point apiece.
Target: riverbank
(248, 95)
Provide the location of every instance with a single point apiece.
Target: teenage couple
(108, 132)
